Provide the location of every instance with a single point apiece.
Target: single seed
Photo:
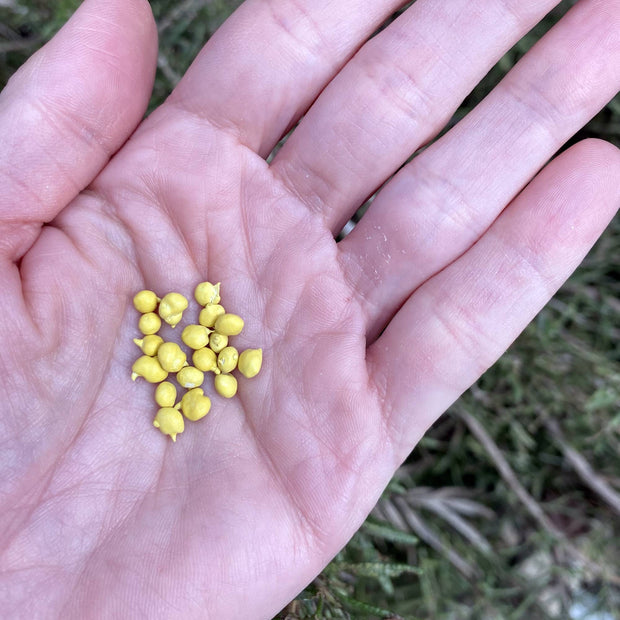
(190, 395)
(227, 359)
(207, 293)
(171, 308)
(250, 362)
(208, 315)
(171, 357)
(226, 385)
(169, 421)
(149, 344)
(196, 336)
(165, 394)
(174, 319)
(229, 324)
(195, 405)
(149, 323)
(149, 368)
(190, 377)
(145, 301)
(218, 341)
(173, 303)
(205, 360)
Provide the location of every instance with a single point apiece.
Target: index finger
(263, 68)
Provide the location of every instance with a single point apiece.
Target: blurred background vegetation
(510, 506)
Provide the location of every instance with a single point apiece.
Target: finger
(437, 206)
(397, 92)
(68, 109)
(263, 68)
(460, 321)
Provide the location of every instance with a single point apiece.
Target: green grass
(498, 513)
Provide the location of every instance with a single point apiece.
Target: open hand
(366, 341)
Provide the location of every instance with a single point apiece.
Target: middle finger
(396, 93)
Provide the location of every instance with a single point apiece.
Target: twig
(583, 469)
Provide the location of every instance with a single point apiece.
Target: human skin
(366, 342)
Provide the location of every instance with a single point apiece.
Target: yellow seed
(190, 377)
(171, 308)
(145, 301)
(250, 362)
(149, 323)
(173, 303)
(218, 341)
(205, 360)
(229, 324)
(171, 357)
(208, 315)
(196, 336)
(174, 319)
(227, 359)
(149, 344)
(169, 421)
(149, 368)
(207, 293)
(195, 405)
(191, 394)
(226, 385)
(165, 394)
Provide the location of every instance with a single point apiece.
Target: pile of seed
(211, 352)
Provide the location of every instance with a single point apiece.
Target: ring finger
(434, 209)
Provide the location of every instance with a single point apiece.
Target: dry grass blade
(184, 9)
(425, 533)
(584, 470)
(8, 33)
(447, 508)
(386, 511)
(169, 73)
(455, 497)
(19, 45)
(400, 514)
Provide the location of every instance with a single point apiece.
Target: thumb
(68, 109)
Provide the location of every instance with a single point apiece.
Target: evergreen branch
(385, 532)
(528, 501)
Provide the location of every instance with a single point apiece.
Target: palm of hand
(251, 502)
(267, 471)
(261, 471)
